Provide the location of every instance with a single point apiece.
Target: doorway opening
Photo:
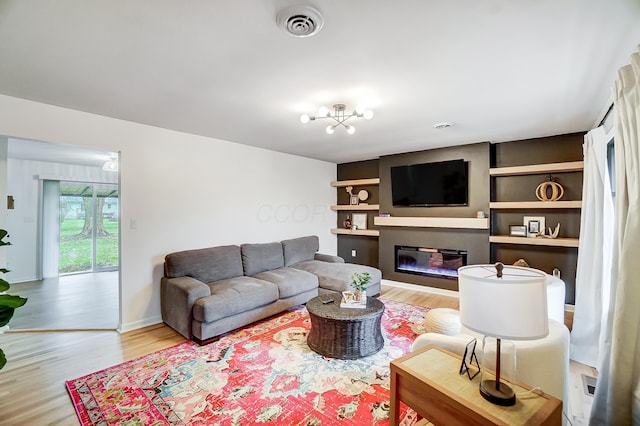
(65, 232)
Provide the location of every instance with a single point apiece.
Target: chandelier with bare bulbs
(339, 116)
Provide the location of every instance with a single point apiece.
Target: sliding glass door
(89, 231)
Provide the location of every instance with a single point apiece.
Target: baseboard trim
(420, 288)
(123, 328)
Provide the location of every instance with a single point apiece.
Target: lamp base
(502, 395)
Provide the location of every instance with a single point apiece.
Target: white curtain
(594, 253)
(617, 397)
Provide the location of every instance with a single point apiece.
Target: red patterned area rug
(261, 374)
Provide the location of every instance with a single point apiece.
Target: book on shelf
(349, 301)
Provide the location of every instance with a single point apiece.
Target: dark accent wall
(366, 249)
(476, 242)
(551, 149)
(358, 170)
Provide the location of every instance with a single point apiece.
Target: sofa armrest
(328, 258)
(177, 296)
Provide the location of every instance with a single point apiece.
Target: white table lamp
(505, 302)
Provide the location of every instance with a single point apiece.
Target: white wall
(4, 144)
(185, 191)
(23, 183)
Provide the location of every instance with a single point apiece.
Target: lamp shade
(513, 306)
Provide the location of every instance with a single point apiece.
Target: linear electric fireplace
(431, 262)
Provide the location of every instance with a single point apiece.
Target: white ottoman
(443, 321)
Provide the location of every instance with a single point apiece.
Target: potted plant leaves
(8, 303)
(360, 282)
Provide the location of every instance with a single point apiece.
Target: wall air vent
(300, 21)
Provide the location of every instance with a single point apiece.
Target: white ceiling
(499, 69)
(58, 153)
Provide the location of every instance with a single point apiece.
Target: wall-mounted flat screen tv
(443, 183)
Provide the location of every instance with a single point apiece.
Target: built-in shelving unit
(533, 169)
(519, 169)
(433, 222)
(356, 207)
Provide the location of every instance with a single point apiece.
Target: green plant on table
(8, 303)
(360, 280)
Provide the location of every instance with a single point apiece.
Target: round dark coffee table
(344, 333)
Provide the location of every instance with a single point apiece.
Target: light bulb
(330, 129)
(368, 114)
(360, 109)
(111, 165)
(323, 111)
(351, 130)
(304, 118)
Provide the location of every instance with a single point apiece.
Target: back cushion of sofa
(300, 249)
(207, 265)
(258, 258)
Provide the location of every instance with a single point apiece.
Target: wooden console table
(427, 380)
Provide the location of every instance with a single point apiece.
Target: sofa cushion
(337, 276)
(290, 281)
(257, 258)
(206, 265)
(233, 296)
(300, 249)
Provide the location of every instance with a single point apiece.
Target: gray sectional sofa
(207, 292)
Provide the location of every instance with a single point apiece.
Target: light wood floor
(32, 388)
(70, 302)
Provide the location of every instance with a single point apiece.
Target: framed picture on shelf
(354, 200)
(359, 220)
(517, 230)
(535, 225)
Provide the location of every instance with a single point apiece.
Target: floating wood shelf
(354, 207)
(434, 222)
(356, 182)
(363, 232)
(533, 169)
(538, 241)
(577, 204)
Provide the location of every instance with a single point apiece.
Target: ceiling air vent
(300, 21)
